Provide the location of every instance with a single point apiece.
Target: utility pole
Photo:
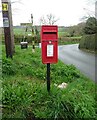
(8, 28)
(96, 9)
(33, 43)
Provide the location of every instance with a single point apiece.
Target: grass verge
(24, 93)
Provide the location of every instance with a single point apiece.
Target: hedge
(69, 40)
(29, 39)
(20, 38)
(89, 42)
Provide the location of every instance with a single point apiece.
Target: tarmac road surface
(84, 61)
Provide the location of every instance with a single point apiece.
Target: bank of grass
(24, 93)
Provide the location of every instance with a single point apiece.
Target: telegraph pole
(8, 28)
(33, 43)
(96, 9)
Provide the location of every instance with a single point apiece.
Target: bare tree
(43, 20)
(90, 13)
(50, 19)
(91, 1)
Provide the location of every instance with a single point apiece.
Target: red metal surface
(49, 36)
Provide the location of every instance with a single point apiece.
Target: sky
(69, 12)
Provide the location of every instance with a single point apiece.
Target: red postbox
(49, 42)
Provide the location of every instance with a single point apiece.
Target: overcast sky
(69, 12)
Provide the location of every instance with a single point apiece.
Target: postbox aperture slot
(49, 33)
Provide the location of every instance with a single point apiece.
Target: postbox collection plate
(50, 50)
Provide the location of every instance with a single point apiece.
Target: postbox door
(49, 52)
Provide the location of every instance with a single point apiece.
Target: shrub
(88, 42)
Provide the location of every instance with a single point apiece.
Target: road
(84, 61)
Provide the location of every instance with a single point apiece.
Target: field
(24, 92)
(63, 36)
(21, 31)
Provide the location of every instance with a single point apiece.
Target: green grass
(24, 93)
(21, 31)
(76, 37)
(62, 34)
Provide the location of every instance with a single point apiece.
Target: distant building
(25, 24)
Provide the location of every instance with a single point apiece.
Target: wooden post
(8, 28)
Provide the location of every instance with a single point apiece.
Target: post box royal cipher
(49, 42)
